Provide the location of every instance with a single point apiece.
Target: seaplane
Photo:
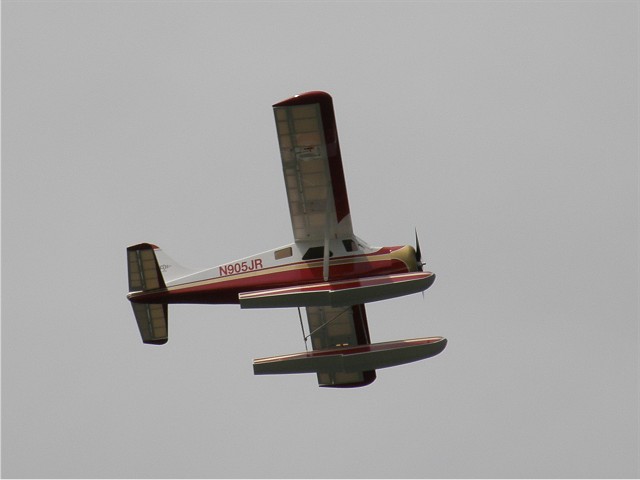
(327, 270)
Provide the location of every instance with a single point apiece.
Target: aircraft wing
(312, 167)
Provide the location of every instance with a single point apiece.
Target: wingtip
(314, 96)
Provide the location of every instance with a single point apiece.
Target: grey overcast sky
(506, 133)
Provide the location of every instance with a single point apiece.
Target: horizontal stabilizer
(144, 275)
(144, 271)
(341, 292)
(152, 322)
(352, 358)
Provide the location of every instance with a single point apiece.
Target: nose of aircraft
(410, 257)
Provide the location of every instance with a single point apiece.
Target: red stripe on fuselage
(225, 290)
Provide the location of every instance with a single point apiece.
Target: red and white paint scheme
(327, 269)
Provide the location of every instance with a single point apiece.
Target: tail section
(153, 322)
(144, 270)
(145, 274)
(169, 268)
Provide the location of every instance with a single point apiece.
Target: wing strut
(304, 336)
(324, 324)
(325, 260)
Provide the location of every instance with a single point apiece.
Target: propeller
(419, 262)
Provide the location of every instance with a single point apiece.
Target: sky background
(506, 133)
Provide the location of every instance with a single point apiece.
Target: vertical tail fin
(169, 268)
(145, 274)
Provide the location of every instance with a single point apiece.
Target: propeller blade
(419, 261)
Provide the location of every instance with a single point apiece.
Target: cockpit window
(349, 245)
(283, 253)
(314, 253)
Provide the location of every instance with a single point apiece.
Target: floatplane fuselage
(287, 269)
(328, 270)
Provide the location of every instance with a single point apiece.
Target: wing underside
(332, 327)
(312, 166)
